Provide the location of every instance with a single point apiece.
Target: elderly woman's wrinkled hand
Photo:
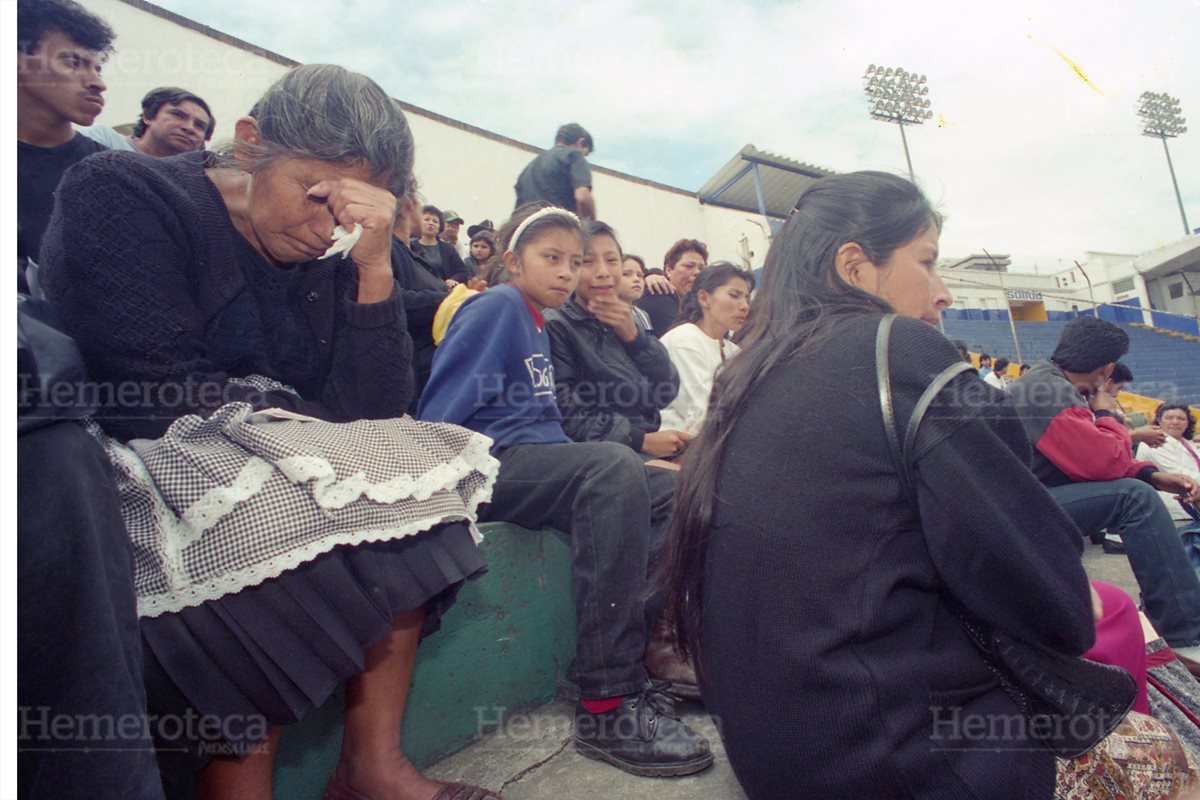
(353, 201)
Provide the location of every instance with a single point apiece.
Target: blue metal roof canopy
(757, 181)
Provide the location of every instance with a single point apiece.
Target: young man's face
(450, 234)
(176, 128)
(60, 80)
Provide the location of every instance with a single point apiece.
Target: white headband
(548, 211)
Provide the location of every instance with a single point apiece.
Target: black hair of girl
(594, 227)
(494, 270)
(641, 262)
(1165, 407)
(801, 303)
(711, 278)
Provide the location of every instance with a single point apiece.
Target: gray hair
(327, 113)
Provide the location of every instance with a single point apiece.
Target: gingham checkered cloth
(226, 502)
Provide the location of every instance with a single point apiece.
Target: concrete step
(531, 757)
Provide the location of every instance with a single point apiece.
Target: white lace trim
(174, 535)
(222, 500)
(334, 494)
(474, 456)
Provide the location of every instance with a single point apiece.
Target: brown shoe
(664, 664)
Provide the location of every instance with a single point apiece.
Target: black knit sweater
(140, 256)
(825, 632)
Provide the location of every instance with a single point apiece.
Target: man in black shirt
(561, 175)
(60, 51)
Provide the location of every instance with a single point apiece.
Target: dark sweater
(140, 256)
(1072, 444)
(608, 391)
(825, 630)
(493, 374)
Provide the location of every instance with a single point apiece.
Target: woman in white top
(1177, 453)
(716, 306)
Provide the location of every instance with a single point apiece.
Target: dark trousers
(615, 510)
(79, 656)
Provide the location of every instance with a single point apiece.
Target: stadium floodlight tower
(899, 96)
(1161, 120)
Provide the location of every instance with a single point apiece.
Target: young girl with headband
(493, 374)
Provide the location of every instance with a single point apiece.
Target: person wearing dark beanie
(1082, 455)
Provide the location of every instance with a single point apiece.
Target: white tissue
(343, 240)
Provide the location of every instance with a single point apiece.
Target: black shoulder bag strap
(1071, 703)
(902, 453)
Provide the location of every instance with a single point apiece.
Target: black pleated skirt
(219, 675)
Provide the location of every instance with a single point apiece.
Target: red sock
(602, 705)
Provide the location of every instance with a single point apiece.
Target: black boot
(642, 736)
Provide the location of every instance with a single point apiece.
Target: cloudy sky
(1033, 150)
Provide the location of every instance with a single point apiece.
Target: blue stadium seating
(1164, 366)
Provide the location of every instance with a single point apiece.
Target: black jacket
(833, 661)
(608, 391)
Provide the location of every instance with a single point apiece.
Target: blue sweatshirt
(492, 373)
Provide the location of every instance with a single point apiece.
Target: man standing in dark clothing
(561, 176)
(1084, 456)
(60, 51)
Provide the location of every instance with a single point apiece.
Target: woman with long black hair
(820, 609)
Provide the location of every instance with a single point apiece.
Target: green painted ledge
(502, 648)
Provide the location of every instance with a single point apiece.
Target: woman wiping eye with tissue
(291, 527)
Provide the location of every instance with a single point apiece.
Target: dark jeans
(1169, 584)
(615, 511)
(79, 656)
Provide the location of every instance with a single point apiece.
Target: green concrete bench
(502, 648)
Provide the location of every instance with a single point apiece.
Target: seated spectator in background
(493, 373)
(173, 121)
(1022, 370)
(612, 376)
(561, 176)
(1151, 435)
(174, 276)
(61, 48)
(985, 365)
(683, 262)
(483, 248)
(1084, 456)
(633, 286)
(450, 229)
(1178, 454)
(421, 292)
(716, 306)
(438, 257)
(996, 378)
(961, 347)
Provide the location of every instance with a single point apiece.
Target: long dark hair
(801, 303)
(711, 278)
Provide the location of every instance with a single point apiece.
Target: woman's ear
(704, 299)
(512, 262)
(855, 268)
(245, 132)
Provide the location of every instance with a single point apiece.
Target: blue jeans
(1169, 584)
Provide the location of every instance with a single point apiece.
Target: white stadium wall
(457, 166)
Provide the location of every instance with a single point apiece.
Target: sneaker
(1114, 547)
(643, 736)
